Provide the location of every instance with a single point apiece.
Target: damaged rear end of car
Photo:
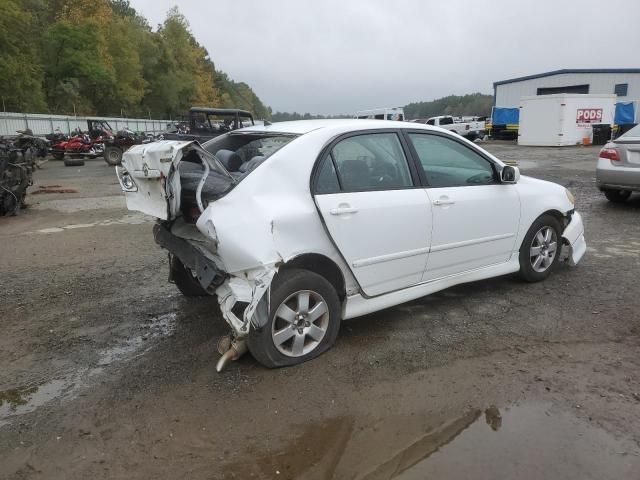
(176, 182)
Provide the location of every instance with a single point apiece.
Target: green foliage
(21, 73)
(472, 104)
(240, 95)
(101, 57)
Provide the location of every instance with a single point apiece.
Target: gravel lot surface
(106, 371)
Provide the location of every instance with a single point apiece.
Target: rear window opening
(239, 154)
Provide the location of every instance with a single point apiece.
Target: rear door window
(371, 162)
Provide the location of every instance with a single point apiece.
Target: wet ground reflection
(525, 442)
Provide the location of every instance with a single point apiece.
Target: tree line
(472, 104)
(456, 105)
(101, 57)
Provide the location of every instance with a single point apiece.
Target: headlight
(570, 196)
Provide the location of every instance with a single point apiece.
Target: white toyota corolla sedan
(296, 226)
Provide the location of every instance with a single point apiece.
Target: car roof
(300, 127)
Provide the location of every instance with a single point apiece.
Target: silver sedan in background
(618, 169)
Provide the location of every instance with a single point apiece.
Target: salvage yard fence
(42, 124)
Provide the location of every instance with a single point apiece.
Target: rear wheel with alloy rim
(303, 321)
(540, 249)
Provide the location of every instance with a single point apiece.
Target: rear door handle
(342, 210)
(443, 201)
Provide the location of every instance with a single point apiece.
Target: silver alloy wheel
(300, 323)
(544, 247)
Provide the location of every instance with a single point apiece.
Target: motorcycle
(79, 147)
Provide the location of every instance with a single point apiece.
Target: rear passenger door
(375, 210)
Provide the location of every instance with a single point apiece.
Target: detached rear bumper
(573, 237)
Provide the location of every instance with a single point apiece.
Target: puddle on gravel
(25, 399)
(529, 441)
(160, 326)
(21, 400)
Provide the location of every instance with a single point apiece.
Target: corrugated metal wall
(44, 124)
(509, 94)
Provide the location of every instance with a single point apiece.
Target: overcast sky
(339, 56)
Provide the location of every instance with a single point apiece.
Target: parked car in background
(618, 168)
(469, 129)
(296, 226)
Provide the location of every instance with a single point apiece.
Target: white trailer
(563, 119)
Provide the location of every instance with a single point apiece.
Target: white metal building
(623, 82)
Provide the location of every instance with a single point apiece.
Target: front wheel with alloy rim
(540, 250)
(304, 320)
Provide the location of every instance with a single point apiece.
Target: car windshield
(632, 134)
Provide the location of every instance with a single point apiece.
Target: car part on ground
(73, 162)
(16, 175)
(618, 167)
(347, 216)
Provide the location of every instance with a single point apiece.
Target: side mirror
(510, 174)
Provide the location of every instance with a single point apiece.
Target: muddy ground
(107, 372)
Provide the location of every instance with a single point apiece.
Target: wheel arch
(561, 217)
(555, 213)
(323, 266)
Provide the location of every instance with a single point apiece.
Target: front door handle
(342, 210)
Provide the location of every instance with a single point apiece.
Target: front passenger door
(475, 217)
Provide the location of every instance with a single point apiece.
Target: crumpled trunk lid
(151, 180)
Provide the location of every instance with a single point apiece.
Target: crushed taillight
(611, 153)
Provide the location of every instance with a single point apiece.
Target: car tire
(541, 248)
(303, 338)
(113, 156)
(73, 162)
(188, 285)
(617, 196)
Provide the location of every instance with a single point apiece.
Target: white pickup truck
(471, 129)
